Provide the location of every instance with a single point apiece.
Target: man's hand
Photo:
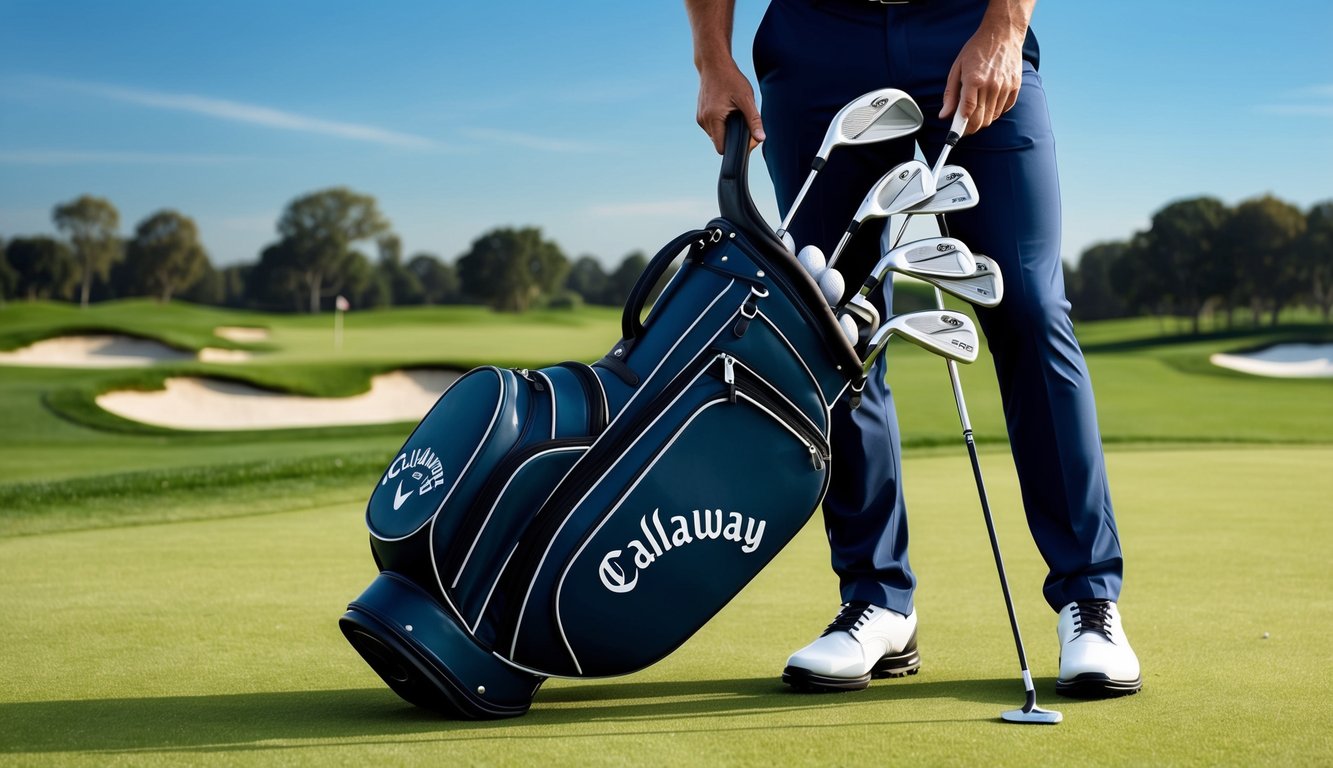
(988, 72)
(722, 87)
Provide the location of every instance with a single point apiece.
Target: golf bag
(585, 520)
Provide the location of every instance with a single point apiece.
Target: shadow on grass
(257, 720)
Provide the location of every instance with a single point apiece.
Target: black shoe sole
(1095, 685)
(894, 665)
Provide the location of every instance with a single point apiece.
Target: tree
(588, 279)
(404, 287)
(621, 280)
(274, 283)
(44, 268)
(511, 268)
(438, 280)
(91, 223)
(165, 256)
(1317, 250)
(1182, 250)
(318, 231)
(9, 278)
(1262, 236)
(1090, 287)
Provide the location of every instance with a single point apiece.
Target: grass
(215, 641)
(171, 597)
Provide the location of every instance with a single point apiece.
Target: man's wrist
(1008, 18)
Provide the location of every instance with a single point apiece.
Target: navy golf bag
(585, 520)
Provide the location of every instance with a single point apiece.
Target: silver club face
(984, 288)
(945, 257)
(949, 334)
(906, 185)
(880, 115)
(954, 191)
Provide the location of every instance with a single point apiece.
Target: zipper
(740, 378)
(594, 394)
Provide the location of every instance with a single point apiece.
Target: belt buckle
(892, 2)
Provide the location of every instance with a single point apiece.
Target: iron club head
(906, 185)
(984, 287)
(949, 334)
(954, 191)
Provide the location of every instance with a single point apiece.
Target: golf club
(936, 257)
(956, 129)
(943, 332)
(1030, 713)
(954, 191)
(880, 115)
(901, 188)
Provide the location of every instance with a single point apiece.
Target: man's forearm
(711, 24)
(1011, 16)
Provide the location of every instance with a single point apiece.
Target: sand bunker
(241, 334)
(94, 352)
(1282, 360)
(111, 351)
(191, 403)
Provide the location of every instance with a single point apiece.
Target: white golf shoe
(864, 641)
(1096, 661)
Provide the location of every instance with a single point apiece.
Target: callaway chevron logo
(425, 469)
(659, 539)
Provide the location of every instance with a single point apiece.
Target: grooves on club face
(984, 287)
(954, 191)
(943, 332)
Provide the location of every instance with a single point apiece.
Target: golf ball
(812, 260)
(848, 328)
(832, 286)
(789, 241)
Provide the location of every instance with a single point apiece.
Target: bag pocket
(688, 511)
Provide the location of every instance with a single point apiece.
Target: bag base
(422, 653)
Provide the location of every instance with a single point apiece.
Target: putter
(1029, 713)
(880, 115)
(906, 185)
(948, 334)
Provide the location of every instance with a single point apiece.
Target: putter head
(954, 191)
(881, 115)
(1034, 715)
(951, 335)
(984, 287)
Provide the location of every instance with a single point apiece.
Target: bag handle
(630, 326)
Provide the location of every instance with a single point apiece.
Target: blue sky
(578, 116)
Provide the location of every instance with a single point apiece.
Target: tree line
(1200, 258)
(332, 242)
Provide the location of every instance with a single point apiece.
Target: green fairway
(216, 640)
(172, 597)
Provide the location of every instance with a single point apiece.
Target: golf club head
(949, 334)
(864, 311)
(933, 257)
(984, 288)
(1032, 716)
(908, 184)
(881, 115)
(954, 191)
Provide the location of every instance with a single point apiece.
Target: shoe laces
(852, 616)
(1093, 616)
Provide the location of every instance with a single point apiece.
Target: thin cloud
(1307, 101)
(252, 114)
(533, 141)
(686, 207)
(93, 157)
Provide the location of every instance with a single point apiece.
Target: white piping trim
(795, 408)
(550, 387)
(500, 496)
(495, 417)
(792, 347)
(560, 583)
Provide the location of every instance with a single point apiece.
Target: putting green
(216, 640)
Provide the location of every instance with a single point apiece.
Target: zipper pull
(729, 376)
(815, 458)
(533, 380)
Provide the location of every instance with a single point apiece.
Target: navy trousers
(812, 57)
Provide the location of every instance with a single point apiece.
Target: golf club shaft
(955, 133)
(791, 212)
(968, 438)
